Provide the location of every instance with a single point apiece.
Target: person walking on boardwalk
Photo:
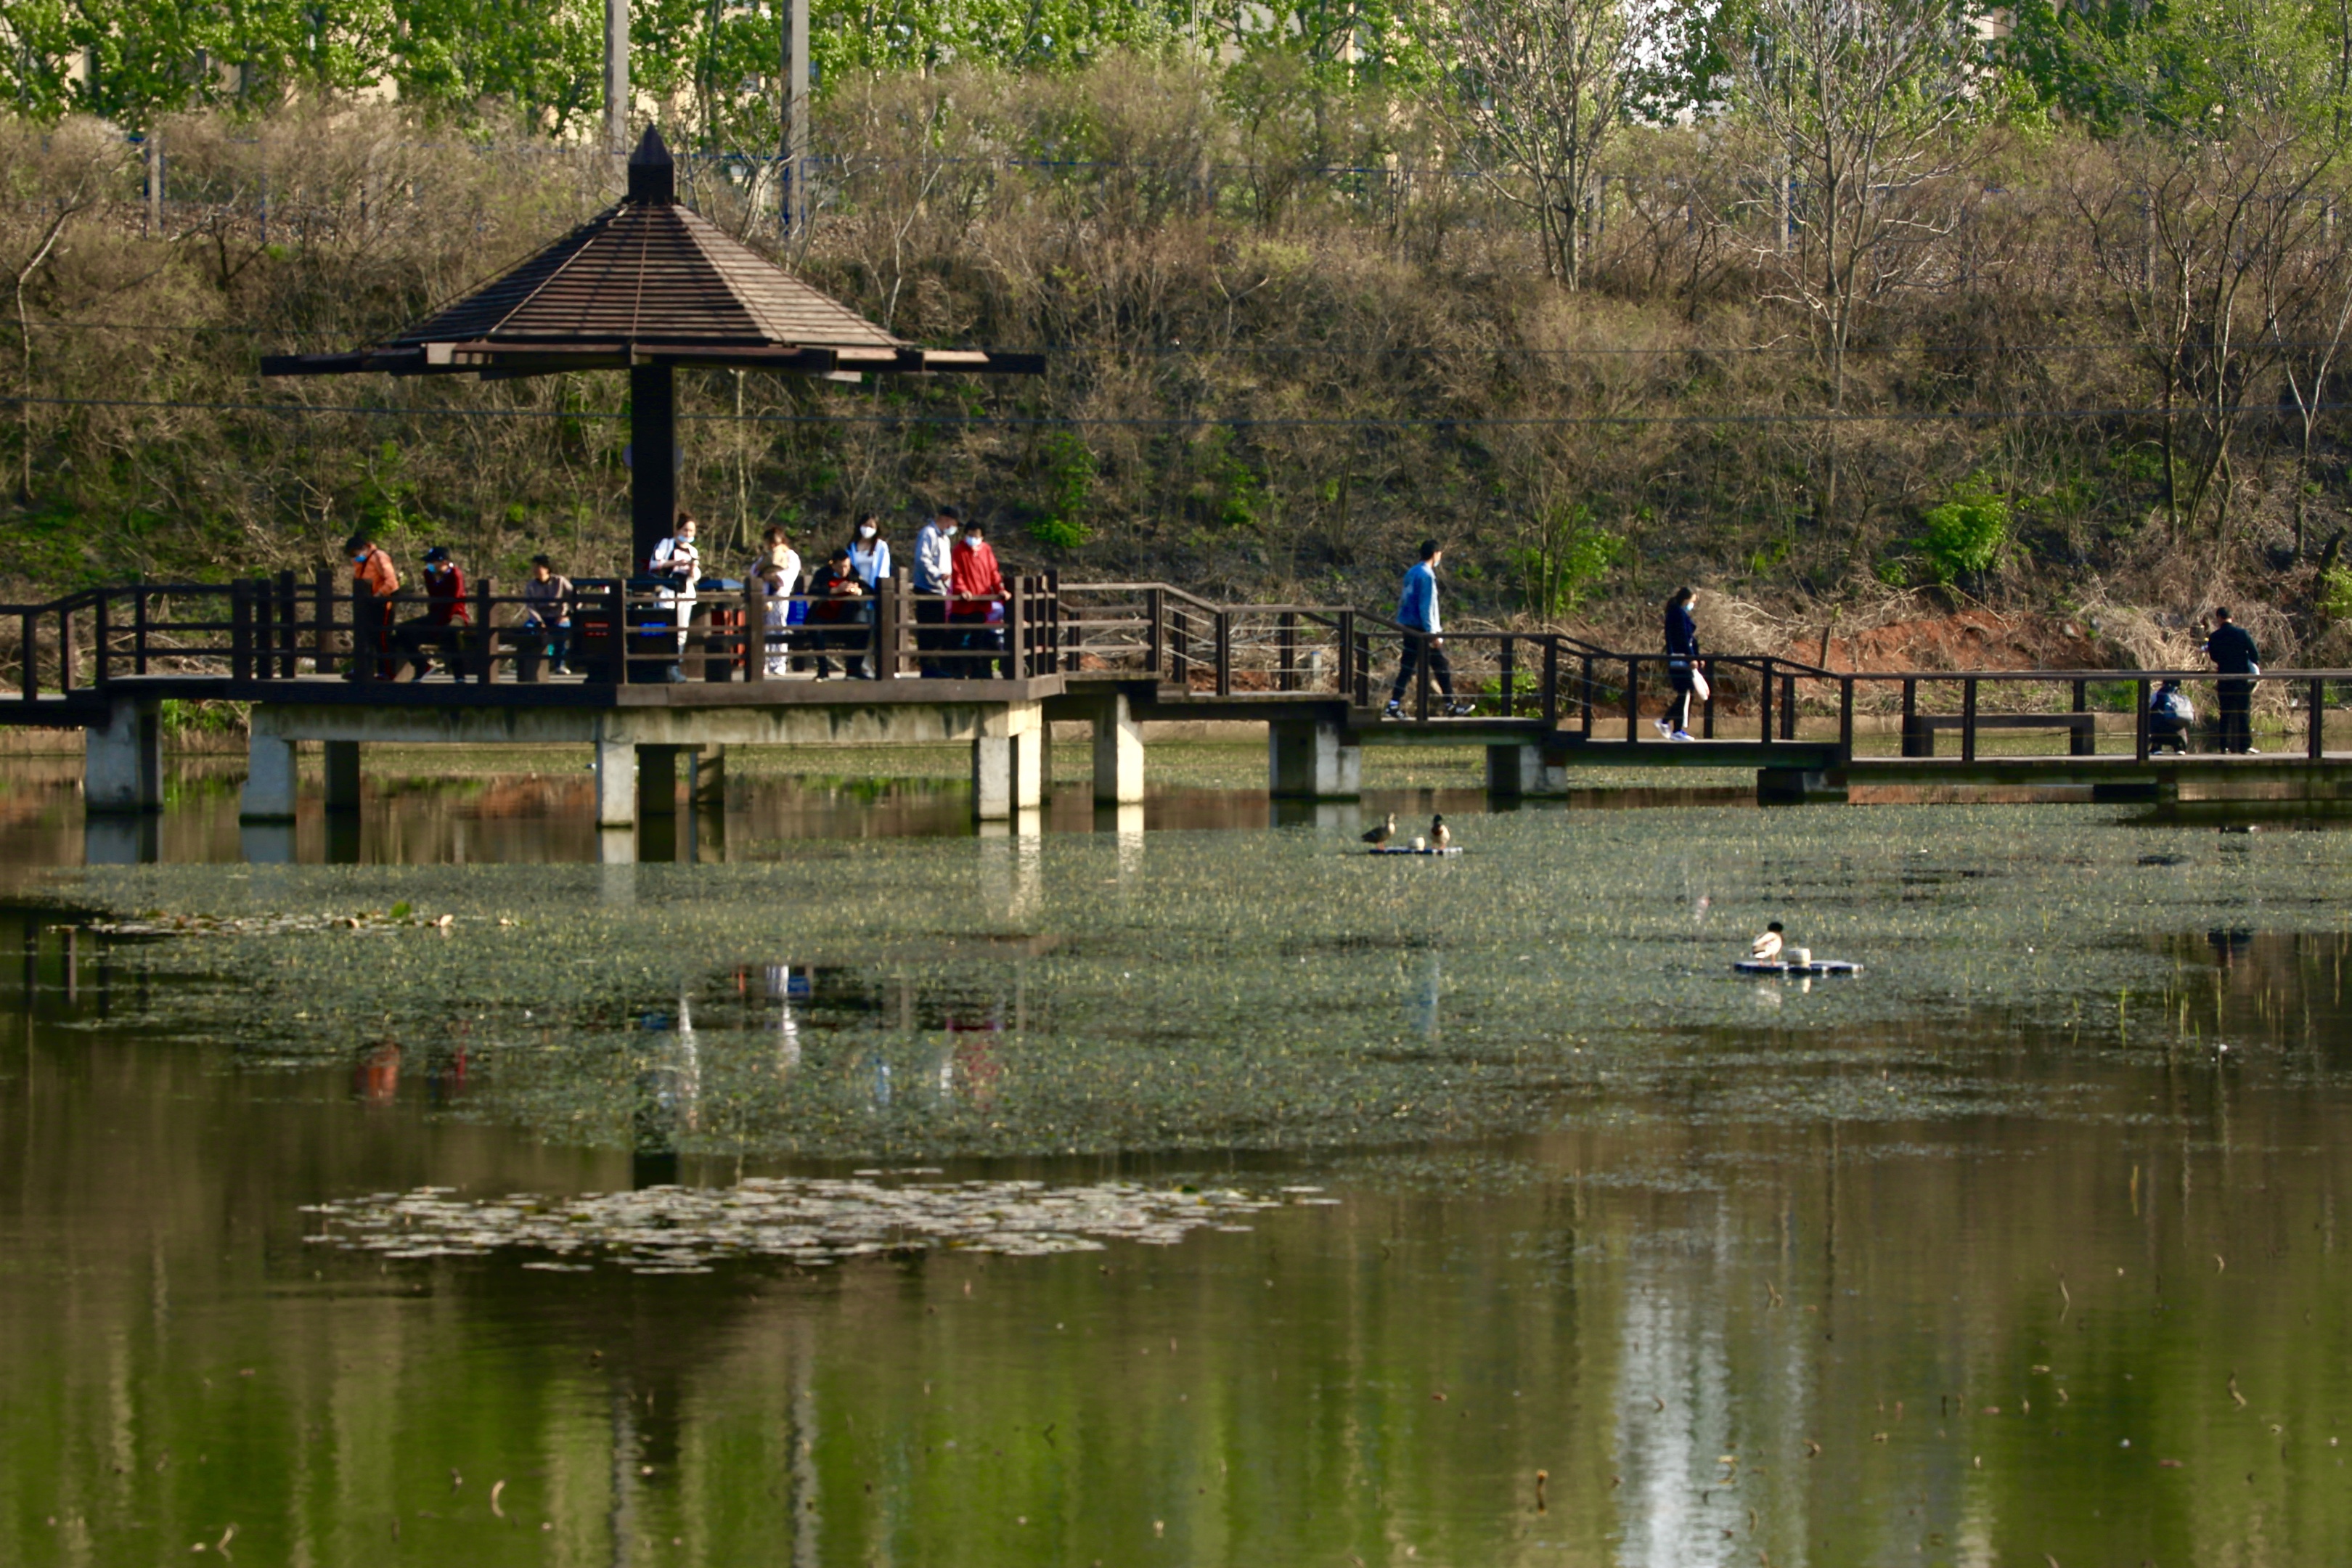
(975, 603)
(371, 569)
(934, 575)
(1682, 664)
(1417, 614)
(777, 568)
(2234, 653)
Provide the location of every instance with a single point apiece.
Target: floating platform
(1818, 966)
(1409, 849)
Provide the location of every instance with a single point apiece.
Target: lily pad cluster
(672, 1229)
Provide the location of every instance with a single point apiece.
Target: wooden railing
(261, 631)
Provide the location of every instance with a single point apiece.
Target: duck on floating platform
(1440, 836)
(1378, 837)
(1767, 948)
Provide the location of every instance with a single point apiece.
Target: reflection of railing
(262, 631)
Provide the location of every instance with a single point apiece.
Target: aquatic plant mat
(671, 1229)
(1095, 993)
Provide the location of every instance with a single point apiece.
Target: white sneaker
(1682, 735)
(1664, 729)
(1392, 711)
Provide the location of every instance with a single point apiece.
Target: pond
(1200, 1190)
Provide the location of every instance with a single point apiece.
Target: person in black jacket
(2234, 653)
(1682, 663)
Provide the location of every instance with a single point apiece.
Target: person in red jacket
(975, 599)
(371, 569)
(444, 612)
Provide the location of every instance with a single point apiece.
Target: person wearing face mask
(870, 552)
(934, 575)
(977, 605)
(372, 568)
(676, 564)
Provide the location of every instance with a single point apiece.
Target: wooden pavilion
(648, 286)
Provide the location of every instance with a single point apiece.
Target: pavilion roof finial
(653, 178)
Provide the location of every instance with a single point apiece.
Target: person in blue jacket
(1417, 614)
(1682, 661)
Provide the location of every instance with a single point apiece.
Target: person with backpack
(1417, 614)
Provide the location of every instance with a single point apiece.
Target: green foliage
(2334, 595)
(1965, 534)
(1067, 479)
(2186, 67)
(1563, 557)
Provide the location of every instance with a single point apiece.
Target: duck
(1378, 837)
(1440, 836)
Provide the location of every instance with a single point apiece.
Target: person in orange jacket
(372, 568)
(975, 589)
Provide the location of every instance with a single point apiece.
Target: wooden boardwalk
(657, 677)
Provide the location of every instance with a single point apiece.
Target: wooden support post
(755, 633)
(1912, 733)
(2082, 741)
(486, 633)
(1845, 720)
(100, 633)
(2315, 738)
(1224, 653)
(616, 632)
(1789, 707)
(1363, 669)
(1764, 701)
(289, 622)
(1016, 663)
(1707, 708)
(29, 644)
(323, 644)
(1969, 719)
(1585, 699)
(1155, 632)
(1633, 700)
(240, 630)
(1347, 655)
(68, 670)
(1509, 673)
(2139, 751)
(139, 630)
(1551, 683)
(367, 632)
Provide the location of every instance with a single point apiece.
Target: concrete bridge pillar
(269, 776)
(1310, 758)
(1119, 752)
(342, 774)
(1008, 759)
(1514, 773)
(616, 782)
(123, 765)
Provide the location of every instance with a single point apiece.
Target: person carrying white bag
(1682, 666)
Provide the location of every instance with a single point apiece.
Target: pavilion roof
(645, 281)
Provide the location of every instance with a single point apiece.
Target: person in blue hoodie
(1417, 614)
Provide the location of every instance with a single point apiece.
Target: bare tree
(1862, 98)
(2188, 235)
(1543, 86)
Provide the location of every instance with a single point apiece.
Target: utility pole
(793, 207)
(616, 75)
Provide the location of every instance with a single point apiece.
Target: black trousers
(2233, 702)
(1441, 669)
(1678, 711)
